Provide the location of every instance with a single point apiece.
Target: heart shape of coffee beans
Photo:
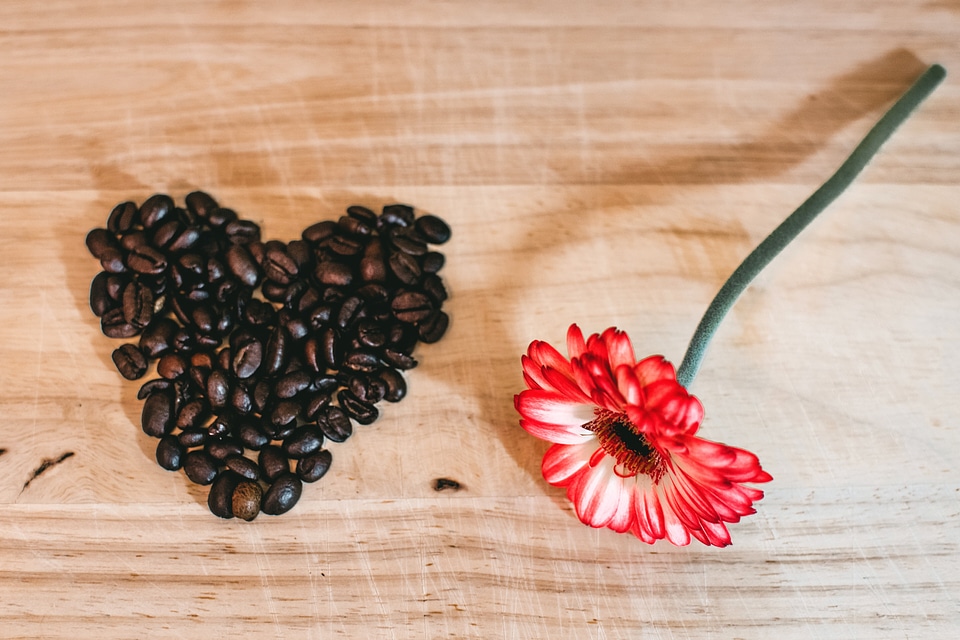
(264, 351)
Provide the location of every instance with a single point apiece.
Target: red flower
(625, 443)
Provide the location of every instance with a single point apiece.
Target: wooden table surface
(604, 163)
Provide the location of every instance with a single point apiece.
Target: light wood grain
(601, 163)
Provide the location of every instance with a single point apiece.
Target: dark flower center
(620, 439)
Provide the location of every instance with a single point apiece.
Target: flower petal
(550, 416)
(596, 493)
(575, 344)
(562, 462)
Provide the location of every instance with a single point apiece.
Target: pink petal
(550, 416)
(596, 494)
(562, 462)
(629, 386)
(619, 349)
(654, 368)
(575, 344)
(649, 514)
(623, 519)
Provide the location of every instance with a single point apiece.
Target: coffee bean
(396, 385)
(221, 217)
(192, 437)
(353, 226)
(349, 311)
(284, 413)
(247, 358)
(313, 467)
(149, 387)
(246, 499)
(218, 389)
(221, 450)
(330, 347)
(434, 326)
(335, 424)
(164, 234)
(99, 241)
(146, 259)
(242, 265)
(411, 306)
(170, 453)
(433, 285)
(123, 217)
(292, 383)
(100, 300)
(130, 361)
(433, 229)
(157, 337)
(114, 325)
(342, 245)
(280, 267)
(398, 359)
(282, 495)
(314, 404)
(405, 267)
(273, 462)
(360, 360)
(242, 231)
(240, 400)
(397, 214)
(137, 304)
(243, 466)
(363, 214)
(172, 366)
(155, 209)
(199, 467)
(319, 232)
(407, 240)
(220, 498)
(362, 412)
(200, 204)
(112, 261)
(193, 414)
(372, 265)
(302, 442)
(376, 391)
(157, 418)
(186, 239)
(432, 262)
(251, 435)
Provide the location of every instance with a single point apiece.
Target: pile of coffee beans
(264, 350)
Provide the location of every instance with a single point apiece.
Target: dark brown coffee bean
(242, 231)
(331, 272)
(398, 359)
(137, 304)
(282, 495)
(199, 467)
(146, 259)
(359, 360)
(186, 239)
(363, 214)
(224, 448)
(157, 337)
(192, 437)
(157, 417)
(397, 214)
(123, 217)
(349, 311)
(405, 267)
(112, 261)
(251, 435)
(130, 361)
(292, 383)
(259, 313)
(362, 412)
(172, 366)
(433, 285)
(343, 245)
(285, 412)
(396, 385)
(149, 387)
(221, 217)
(242, 265)
(204, 318)
(353, 226)
(246, 500)
(247, 358)
(376, 391)
(170, 453)
(313, 467)
(314, 404)
(296, 328)
(243, 466)
(411, 306)
(433, 229)
(100, 300)
(164, 233)
(218, 389)
(335, 424)
(262, 395)
(407, 241)
(371, 334)
(155, 209)
(220, 498)
(132, 240)
(100, 240)
(280, 267)
(302, 442)
(193, 414)
(372, 265)
(273, 462)
(317, 233)
(241, 400)
(434, 326)
(432, 262)
(200, 204)
(320, 316)
(330, 346)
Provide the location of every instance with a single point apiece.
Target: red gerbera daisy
(625, 443)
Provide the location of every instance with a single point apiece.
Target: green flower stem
(804, 215)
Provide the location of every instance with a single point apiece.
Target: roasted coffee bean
(274, 291)
(342, 245)
(262, 395)
(199, 467)
(100, 299)
(155, 209)
(398, 359)
(241, 400)
(335, 424)
(376, 390)
(123, 217)
(280, 267)
(242, 265)
(204, 318)
(158, 384)
(186, 239)
(405, 267)
(192, 437)
(200, 204)
(372, 265)
(301, 252)
(282, 495)
(100, 240)
(364, 361)
(132, 240)
(170, 453)
(317, 233)
(247, 358)
(157, 418)
(397, 214)
(313, 355)
(434, 326)
(218, 389)
(242, 231)
(137, 304)
(146, 259)
(292, 383)
(258, 313)
(303, 441)
(330, 347)
(363, 214)
(243, 466)
(157, 337)
(349, 311)
(164, 233)
(221, 450)
(362, 412)
(371, 334)
(332, 272)
(220, 498)
(284, 412)
(433, 229)
(407, 241)
(219, 428)
(172, 366)
(246, 499)
(314, 404)
(313, 467)
(193, 414)
(396, 385)
(273, 462)
(130, 361)
(411, 306)
(353, 226)
(251, 435)
(112, 261)
(320, 316)
(432, 262)
(295, 326)
(433, 285)
(221, 217)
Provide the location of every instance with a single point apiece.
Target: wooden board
(605, 163)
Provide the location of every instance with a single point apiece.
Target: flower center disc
(620, 439)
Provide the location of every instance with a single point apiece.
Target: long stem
(804, 215)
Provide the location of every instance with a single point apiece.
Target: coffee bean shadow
(494, 363)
